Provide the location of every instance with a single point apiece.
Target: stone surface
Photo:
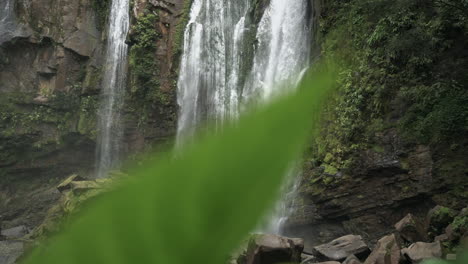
(438, 218)
(67, 183)
(340, 248)
(387, 251)
(352, 260)
(306, 258)
(10, 251)
(15, 232)
(441, 238)
(384, 187)
(411, 229)
(270, 249)
(420, 251)
(55, 46)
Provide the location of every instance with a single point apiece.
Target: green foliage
(460, 224)
(29, 129)
(462, 258)
(402, 67)
(437, 111)
(145, 86)
(19, 112)
(145, 35)
(194, 205)
(88, 118)
(101, 7)
(180, 28)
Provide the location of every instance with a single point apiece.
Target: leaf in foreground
(197, 207)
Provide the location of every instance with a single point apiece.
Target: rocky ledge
(441, 235)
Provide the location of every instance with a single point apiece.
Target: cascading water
(282, 51)
(9, 27)
(210, 86)
(113, 89)
(281, 58)
(6, 19)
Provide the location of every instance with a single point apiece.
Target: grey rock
(15, 232)
(270, 249)
(10, 251)
(340, 248)
(307, 259)
(438, 218)
(411, 229)
(420, 251)
(352, 260)
(387, 251)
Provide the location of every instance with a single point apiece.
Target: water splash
(113, 89)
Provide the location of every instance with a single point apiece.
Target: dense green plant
(146, 93)
(101, 7)
(462, 258)
(197, 204)
(403, 67)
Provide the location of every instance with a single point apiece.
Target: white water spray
(113, 89)
(210, 86)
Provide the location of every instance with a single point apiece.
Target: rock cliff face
(392, 142)
(50, 56)
(359, 181)
(51, 63)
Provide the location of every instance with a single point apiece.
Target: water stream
(7, 18)
(9, 27)
(113, 89)
(211, 86)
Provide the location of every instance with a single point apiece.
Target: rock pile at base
(412, 242)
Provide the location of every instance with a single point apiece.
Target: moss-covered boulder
(438, 219)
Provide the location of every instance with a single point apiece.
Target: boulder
(308, 259)
(457, 230)
(411, 229)
(340, 248)
(328, 262)
(10, 251)
(438, 218)
(270, 249)
(352, 260)
(441, 238)
(386, 251)
(15, 232)
(66, 184)
(420, 251)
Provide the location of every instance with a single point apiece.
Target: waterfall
(280, 61)
(208, 85)
(113, 89)
(9, 27)
(7, 19)
(211, 86)
(282, 51)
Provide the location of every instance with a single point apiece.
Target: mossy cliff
(49, 86)
(394, 133)
(155, 40)
(50, 80)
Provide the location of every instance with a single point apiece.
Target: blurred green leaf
(197, 207)
(462, 258)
